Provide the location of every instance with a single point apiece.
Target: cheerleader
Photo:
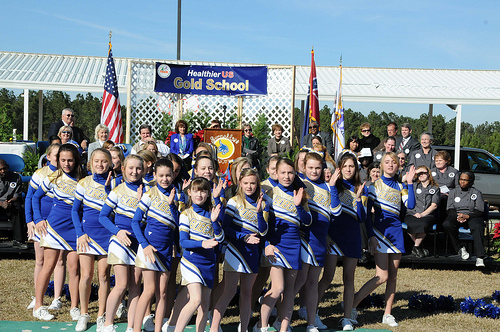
(123, 201)
(324, 204)
(117, 158)
(345, 233)
(149, 160)
(236, 167)
(200, 233)
(387, 195)
(57, 230)
(263, 274)
(272, 180)
(93, 238)
(299, 162)
(35, 182)
(290, 207)
(158, 206)
(245, 222)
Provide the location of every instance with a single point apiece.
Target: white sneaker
(82, 323)
(318, 323)
(129, 329)
(346, 324)
(303, 313)
(42, 313)
(259, 329)
(56, 304)
(311, 328)
(32, 303)
(100, 323)
(277, 326)
(75, 313)
(121, 312)
(389, 320)
(462, 252)
(479, 262)
(109, 328)
(148, 323)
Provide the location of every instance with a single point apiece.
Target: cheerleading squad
(141, 216)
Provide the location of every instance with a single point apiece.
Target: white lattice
(148, 106)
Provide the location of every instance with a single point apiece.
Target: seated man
(10, 203)
(146, 133)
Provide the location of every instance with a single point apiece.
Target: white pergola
(31, 71)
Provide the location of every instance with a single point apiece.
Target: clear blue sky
(394, 34)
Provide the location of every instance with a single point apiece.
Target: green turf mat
(38, 326)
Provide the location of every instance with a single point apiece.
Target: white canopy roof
(397, 85)
(424, 86)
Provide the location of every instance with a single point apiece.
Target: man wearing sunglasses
(68, 119)
(314, 131)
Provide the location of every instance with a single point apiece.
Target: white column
(129, 101)
(26, 109)
(457, 135)
(40, 115)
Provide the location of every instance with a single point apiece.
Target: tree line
(88, 113)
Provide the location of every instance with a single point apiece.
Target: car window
(480, 162)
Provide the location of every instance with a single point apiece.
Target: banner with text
(210, 80)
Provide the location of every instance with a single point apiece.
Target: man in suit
(68, 119)
(406, 142)
(325, 137)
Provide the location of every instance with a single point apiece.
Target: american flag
(111, 114)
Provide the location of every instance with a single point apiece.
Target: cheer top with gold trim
(90, 195)
(345, 231)
(46, 205)
(241, 219)
(198, 263)
(268, 184)
(324, 206)
(61, 232)
(123, 202)
(284, 232)
(387, 195)
(162, 221)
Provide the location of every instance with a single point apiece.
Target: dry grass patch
(16, 283)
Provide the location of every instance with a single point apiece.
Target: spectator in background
(425, 155)
(215, 124)
(403, 168)
(365, 158)
(10, 203)
(251, 146)
(66, 135)
(392, 129)
(278, 145)
(353, 143)
(146, 134)
(325, 137)
(465, 209)
(406, 142)
(389, 145)
(101, 136)
(368, 140)
(181, 143)
(68, 119)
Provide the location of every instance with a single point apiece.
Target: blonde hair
(234, 166)
(129, 158)
(391, 155)
(107, 155)
(148, 156)
(98, 128)
(51, 148)
(244, 173)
